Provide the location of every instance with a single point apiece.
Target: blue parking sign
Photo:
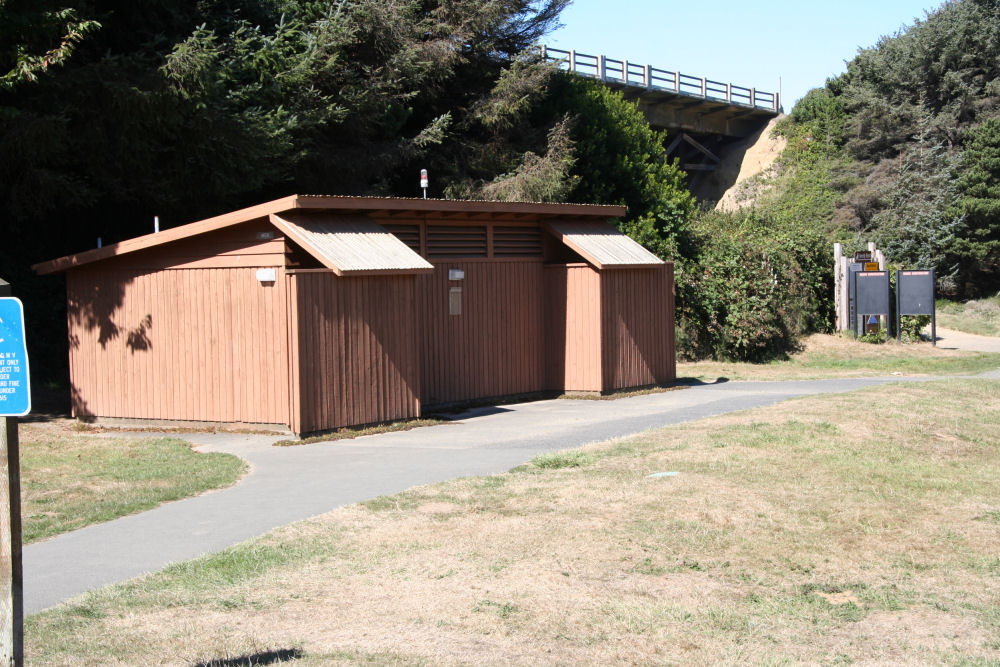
(15, 392)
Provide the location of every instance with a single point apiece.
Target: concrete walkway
(291, 483)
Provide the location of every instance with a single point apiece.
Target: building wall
(573, 328)
(637, 325)
(186, 331)
(495, 346)
(355, 340)
(199, 344)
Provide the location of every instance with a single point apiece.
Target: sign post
(915, 296)
(871, 297)
(15, 400)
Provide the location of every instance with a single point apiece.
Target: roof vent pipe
(156, 224)
(98, 241)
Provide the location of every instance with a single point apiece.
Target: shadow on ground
(695, 382)
(265, 658)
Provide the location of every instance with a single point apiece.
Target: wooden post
(704, 87)
(729, 93)
(11, 591)
(753, 97)
(845, 304)
(625, 71)
(648, 76)
(838, 284)
(572, 60)
(677, 81)
(880, 258)
(601, 73)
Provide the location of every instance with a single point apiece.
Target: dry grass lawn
(980, 316)
(849, 528)
(824, 356)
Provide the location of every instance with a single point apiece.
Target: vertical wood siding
(637, 322)
(573, 328)
(356, 342)
(496, 346)
(206, 344)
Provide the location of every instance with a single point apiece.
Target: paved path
(291, 483)
(949, 338)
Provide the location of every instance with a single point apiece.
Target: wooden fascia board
(366, 272)
(387, 272)
(166, 236)
(458, 206)
(294, 234)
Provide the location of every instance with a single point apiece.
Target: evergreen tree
(979, 190)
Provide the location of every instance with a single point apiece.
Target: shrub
(749, 291)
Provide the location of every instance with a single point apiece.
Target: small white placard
(266, 275)
(265, 236)
(456, 274)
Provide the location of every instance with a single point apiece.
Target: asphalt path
(286, 484)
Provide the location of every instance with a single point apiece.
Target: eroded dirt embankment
(724, 189)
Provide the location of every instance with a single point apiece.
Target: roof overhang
(602, 245)
(350, 245)
(332, 203)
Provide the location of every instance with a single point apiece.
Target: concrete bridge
(704, 119)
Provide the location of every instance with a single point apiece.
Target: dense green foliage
(750, 287)
(621, 160)
(600, 150)
(904, 149)
(186, 110)
(112, 112)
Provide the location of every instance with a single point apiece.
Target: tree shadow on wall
(138, 338)
(91, 303)
(80, 409)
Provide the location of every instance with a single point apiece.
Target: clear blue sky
(749, 43)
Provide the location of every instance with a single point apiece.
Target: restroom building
(315, 312)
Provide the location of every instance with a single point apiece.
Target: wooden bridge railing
(635, 75)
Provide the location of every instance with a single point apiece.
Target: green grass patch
(350, 432)
(554, 460)
(69, 481)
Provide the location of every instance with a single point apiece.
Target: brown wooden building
(315, 312)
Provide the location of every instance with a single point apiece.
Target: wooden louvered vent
(510, 241)
(453, 242)
(408, 234)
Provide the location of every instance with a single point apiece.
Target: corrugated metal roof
(350, 245)
(602, 245)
